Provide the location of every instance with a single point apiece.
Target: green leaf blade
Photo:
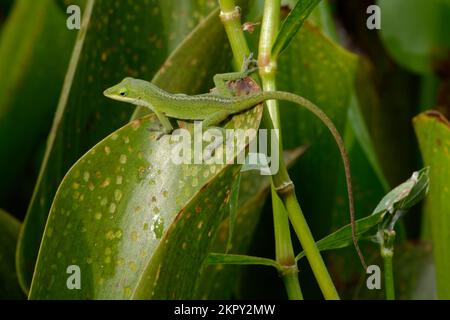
(343, 237)
(433, 132)
(292, 25)
(236, 259)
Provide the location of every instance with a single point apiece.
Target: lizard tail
(287, 96)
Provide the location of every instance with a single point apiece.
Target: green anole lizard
(214, 108)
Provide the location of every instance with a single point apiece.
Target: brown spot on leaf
(439, 116)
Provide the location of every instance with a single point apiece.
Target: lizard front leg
(220, 80)
(167, 126)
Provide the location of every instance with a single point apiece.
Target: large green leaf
(35, 48)
(117, 40)
(369, 181)
(433, 132)
(9, 231)
(322, 17)
(386, 112)
(137, 224)
(419, 40)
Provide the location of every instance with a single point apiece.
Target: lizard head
(128, 90)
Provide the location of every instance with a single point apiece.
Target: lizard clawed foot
(248, 63)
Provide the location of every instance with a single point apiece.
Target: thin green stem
(389, 278)
(387, 253)
(281, 181)
(268, 66)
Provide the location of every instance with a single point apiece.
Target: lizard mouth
(108, 93)
(113, 95)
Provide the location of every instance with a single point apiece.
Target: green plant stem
(268, 66)
(292, 286)
(283, 249)
(387, 253)
(281, 181)
(231, 20)
(309, 246)
(230, 15)
(389, 278)
(269, 29)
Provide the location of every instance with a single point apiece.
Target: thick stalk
(230, 15)
(281, 181)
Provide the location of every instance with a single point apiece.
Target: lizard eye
(123, 93)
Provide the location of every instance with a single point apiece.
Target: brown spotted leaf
(137, 224)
